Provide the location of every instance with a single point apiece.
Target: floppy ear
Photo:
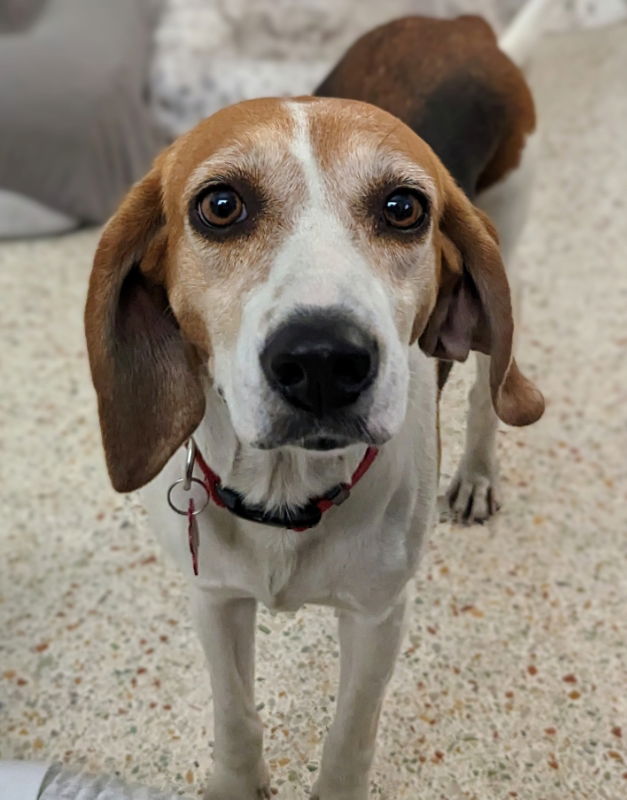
(150, 397)
(473, 310)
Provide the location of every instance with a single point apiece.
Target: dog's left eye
(405, 209)
(220, 207)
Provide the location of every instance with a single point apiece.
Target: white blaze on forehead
(301, 148)
(318, 263)
(324, 260)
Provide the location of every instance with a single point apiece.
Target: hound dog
(276, 293)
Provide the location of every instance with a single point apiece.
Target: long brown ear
(473, 310)
(150, 396)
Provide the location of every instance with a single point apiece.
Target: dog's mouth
(325, 443)
(318, 435)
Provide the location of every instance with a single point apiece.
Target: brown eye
(220, 207)
(405, 209)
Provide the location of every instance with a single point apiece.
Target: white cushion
(21, 780)
(21, 216)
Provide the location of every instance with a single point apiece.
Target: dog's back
(449, 81)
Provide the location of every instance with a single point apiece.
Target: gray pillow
(76, 128)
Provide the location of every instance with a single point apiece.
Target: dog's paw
(474, 495)
(233, 786)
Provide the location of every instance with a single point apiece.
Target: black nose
(320, 361)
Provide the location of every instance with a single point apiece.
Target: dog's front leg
(227, 633)
(368, 651)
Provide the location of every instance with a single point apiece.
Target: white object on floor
(32, 780)
(21, 780)
(22, 216)
(525, 30)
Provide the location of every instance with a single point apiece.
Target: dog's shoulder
(449, 81)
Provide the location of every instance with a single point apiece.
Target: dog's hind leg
(473, 495)
(227, 633)
(368, 651)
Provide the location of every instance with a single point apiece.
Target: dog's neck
(275, 479)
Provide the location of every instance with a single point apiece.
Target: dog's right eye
(220, 207)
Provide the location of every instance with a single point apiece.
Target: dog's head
(289, 252)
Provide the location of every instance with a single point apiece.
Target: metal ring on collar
(184, 512)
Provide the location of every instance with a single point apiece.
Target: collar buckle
(338, 494)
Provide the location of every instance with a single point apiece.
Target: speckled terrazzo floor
(513, 679)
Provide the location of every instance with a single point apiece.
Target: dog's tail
(524, 31)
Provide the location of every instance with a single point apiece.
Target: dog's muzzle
(320, 362)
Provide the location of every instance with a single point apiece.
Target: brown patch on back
(450, 83)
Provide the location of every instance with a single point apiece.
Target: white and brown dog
(278, 286)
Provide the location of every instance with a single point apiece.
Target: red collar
(297, 519)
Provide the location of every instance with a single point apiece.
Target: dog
(265, 318)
